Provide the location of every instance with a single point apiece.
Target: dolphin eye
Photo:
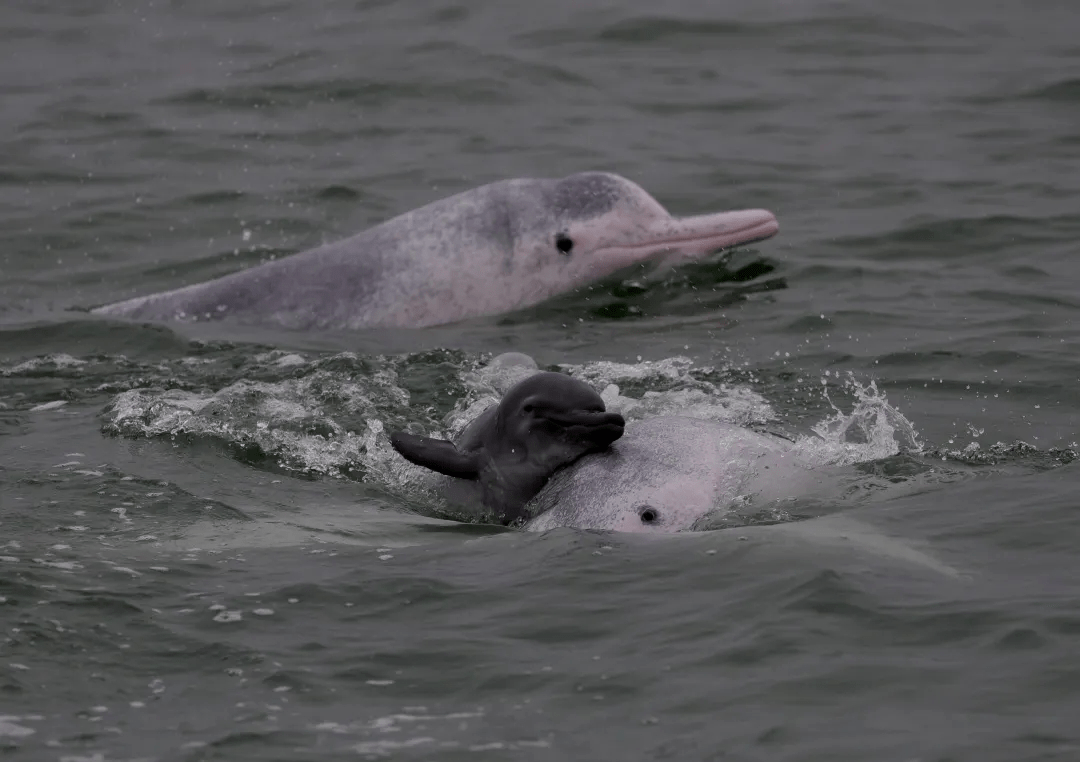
(649, 515)
(528, 408)
(564, 243)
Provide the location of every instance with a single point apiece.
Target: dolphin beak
(687, 237)
(599, 429)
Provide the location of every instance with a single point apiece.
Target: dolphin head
(551, 419)
(589, 225)
(624, 490)
(543, 423)
(668, 474)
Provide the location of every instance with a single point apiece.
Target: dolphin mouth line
(599, 428)
(767, 231)
(710, 241)
(585, 418)
(757, 232)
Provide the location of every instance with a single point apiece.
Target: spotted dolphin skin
(543, 423)
(666, 474)
(489, 250)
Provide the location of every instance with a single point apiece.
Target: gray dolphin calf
(543, 423)
(667, 474)
(492, 249)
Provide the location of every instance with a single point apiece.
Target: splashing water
(673, 387)
(873, 429)
(305, 423)
(330, 416)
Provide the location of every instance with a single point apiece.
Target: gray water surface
(924, 162)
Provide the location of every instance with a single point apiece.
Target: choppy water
(924, 162)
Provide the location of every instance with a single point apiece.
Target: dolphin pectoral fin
(437, 454)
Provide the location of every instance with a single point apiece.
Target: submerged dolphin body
(489, 250)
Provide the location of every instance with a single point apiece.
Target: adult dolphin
(669, 474)
(493, 249)
(672, 474)
(506, 455)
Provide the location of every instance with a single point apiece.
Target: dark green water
(924, 162)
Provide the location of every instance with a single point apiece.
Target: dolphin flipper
(439, 455)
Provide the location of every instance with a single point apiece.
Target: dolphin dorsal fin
(437, 454)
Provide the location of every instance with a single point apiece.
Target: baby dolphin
(543, 423)
(489, 250)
